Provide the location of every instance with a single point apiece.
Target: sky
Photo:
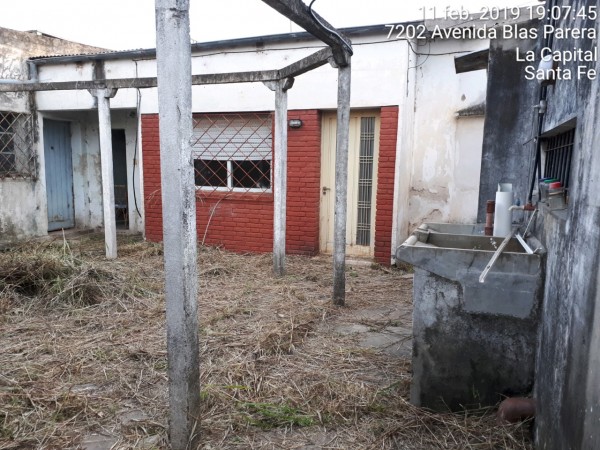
(129, 24)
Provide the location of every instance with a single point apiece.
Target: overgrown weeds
(53, 275)
(83, 353)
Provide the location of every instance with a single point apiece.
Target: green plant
(270, 415)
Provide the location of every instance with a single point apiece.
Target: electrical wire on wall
(334, 32)
(135, 148)
(543, 94)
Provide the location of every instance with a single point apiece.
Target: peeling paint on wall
(446, 150)
(22, 209)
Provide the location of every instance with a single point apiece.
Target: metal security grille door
(362, 182)
(59, 174)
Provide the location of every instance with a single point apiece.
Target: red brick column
(304, 181)
(151, 162)
(385, 184)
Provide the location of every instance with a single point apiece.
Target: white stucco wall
(375, 73)
(87, 177)
(446, 154)
(22, 210)
(21, 200)
(438, 154)
(378, 79)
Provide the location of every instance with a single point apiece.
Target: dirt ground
(83, 358)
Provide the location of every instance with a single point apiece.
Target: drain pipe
(537, 166)
(33, 71)
(541, 107)
(31, 79)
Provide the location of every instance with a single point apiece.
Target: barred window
(233, 152)
(17, 155)
(558, 157)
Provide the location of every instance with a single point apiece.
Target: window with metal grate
(559, 149)
(233, 152)
(17, 156)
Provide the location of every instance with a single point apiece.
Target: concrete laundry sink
(473, 342)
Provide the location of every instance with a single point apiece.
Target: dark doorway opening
(119, 150)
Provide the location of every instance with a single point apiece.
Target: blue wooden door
(59, 174)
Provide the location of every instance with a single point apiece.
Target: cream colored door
(362, 182)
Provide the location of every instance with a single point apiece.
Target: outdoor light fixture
(295, 123)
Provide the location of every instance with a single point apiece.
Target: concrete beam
(179, 220)
(307, 64)
(304, 65)
(106, 162)
(139, 83)
(298, 12)
(472, 61)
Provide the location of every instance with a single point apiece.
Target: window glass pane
(210, 173)
(17, 154)
(252, 174)
(242, 143)
(559, 150)
(7, 163)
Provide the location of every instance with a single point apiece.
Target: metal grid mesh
(17, 155)
(233, 152)
(365, 180)
(558, 157)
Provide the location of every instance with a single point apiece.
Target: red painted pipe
(516, 409)
(489, 217)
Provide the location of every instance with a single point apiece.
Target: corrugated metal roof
(74, 55)
(258, 41)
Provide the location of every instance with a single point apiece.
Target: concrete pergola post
(280, 173)
(341, 186)
(106, 162)
(179, 219)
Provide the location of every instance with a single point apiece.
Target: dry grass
(83, 351)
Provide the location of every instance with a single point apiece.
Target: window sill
(17, 177)
(558, 214)
(250, 196)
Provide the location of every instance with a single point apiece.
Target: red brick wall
(243, 222)
(385, 184)
(151, 162)
(304, 181)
